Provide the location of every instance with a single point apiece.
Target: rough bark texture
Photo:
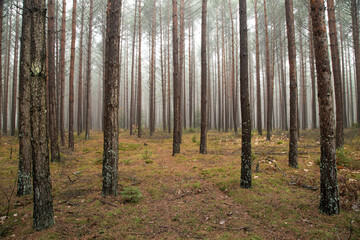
(176, 84)
(293, 143)
(88, 75)
(329, 200)
(312, 72)
(203, 147)
(268, 79)
(245, 101)
(1, 77)
(355, 32)
(15, 76)
(111, 99)
(182, 121)
(24, 186)
(71, 78)
(53, 132)
(80, 82)
(258, 89)
(335, 60)
(139, 93)
(43, 206)
(233, 90)
(62, 74)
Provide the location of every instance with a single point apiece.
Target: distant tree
(62, 74)
(132, 89)
(329, 200)
(203, 139)
(152, 74)
(245, 100)
(355, 32)
(111, 99)
(80, 81)
(258, 87)
(139, 93)
(43, 214)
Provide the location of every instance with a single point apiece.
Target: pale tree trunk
(132, 96)
(312, 72)
(163, 75)
(139, 93)
(233, 71)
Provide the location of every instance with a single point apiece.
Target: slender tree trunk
(329, 201)
(152, 74)
(43, 214)
(344, 83)
(15, 76)
(268, 79)
(335, 60)
(24, 186)
(139, 97)
(203, 144)
(258, 89)
(169, 75)
(132, 100)
(220, 124)
(1, 76)
(62, 74)
(176, 84)
(54, 143)
(355, 31)
(88, 75)
(245, 101)
(190, 82)
(163, 75)
(293, 142)
(111, 99)
(234, 103)
(303, 84)
(312, 72)
(80, 83)
(181, 67)
(71, 79)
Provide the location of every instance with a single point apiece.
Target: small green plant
(342, 158)
(126, 161)
(147, 154)
(131, 194)
(190, 130)
(193, 139)
(253, 156)
(280, 142)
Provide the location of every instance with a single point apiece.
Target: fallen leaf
(222, 222)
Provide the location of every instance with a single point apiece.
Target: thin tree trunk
(181, 67)
(88, 76)
(132, 100)
(268, 79)
(293, 142)
(303, 84)
(80, 83)
(139, 78)
(329, 201)
(312, 72)
(233, 71)
(355, 31)
(163, 75)
(258, 89)
(169, 75)
(62, 74)
(152, 74)
(203, 138)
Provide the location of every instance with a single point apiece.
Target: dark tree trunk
(293, 142)
(203, 144)
(53, 131)
(71, 78)
(139, 93)
(24, 186)
(329, 201)
(43, 205)
(312, 72)
(132, 100)
(258, 89)
(62, 75)
(80, 83)
(15, 76)
(1, 77)
(181, 68)
(152, 74)
(176, 84)
(355, 31)
(245, 101)
(88, 75)
(335, 60)
(111, 99)
(268, 80)
(169, 75)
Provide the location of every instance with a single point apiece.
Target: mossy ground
(190, 195)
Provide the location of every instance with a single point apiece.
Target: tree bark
(139, 94)
(293, 142)
(80, 82)
(268, 79)
(258, 89)
(43, 214)
(1, 76)
(233, 91)
(329, 200)
(88, 75)
(62, 74)
(152, 74)
(203, 144)
(355, 31)
(132, 100)
(312, 72)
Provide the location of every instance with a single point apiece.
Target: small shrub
(193, 139)
(131, 194)
(342, 158)
(190, 130)
(280, 142)
(147, 154)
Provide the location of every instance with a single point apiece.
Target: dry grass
(189, 195)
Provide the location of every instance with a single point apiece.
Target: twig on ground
(277, 167)
(105, 202)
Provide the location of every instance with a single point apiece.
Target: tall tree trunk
(43, 214)
(152, 74)
(132, 100)
(220, 124)
(258, 89)
(203, 144)
(303, 84)
(245, 101)
(169, 75)
(312, 72)
(176, 84)
(24, 186)
(335, 60)
(1, 76)
(15, 76)
(190, 82)
(54, 143)
(163, 75)
(293, 142)
(62, 74)
(71, 78)
(268, 79)
(355, 31)
(80, 82)
(234, 103)
(329, 201)
(88, 75)
(139, 97)
(182, 67)
(111, 99)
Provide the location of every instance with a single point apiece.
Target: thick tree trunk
(258, 89)
(293, 142)
(15, 76)
(54, 143)
(80, 82)
(203, 144)
(1, 76)
(24, 186)
(111, 99)
(176, 84)
(62, 74)
(335, 60)
(71, 78)
(43, 214)
(88, 75)
(245, 101)
(355, 31)
(329, 201)
(139, 93)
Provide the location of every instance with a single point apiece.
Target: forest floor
(189, 196)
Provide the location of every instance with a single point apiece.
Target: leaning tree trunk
(111, 99)
(293, 142)
(24, 186)
(245, 101)
(329, 200)
(203, 147)
(43, 214)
